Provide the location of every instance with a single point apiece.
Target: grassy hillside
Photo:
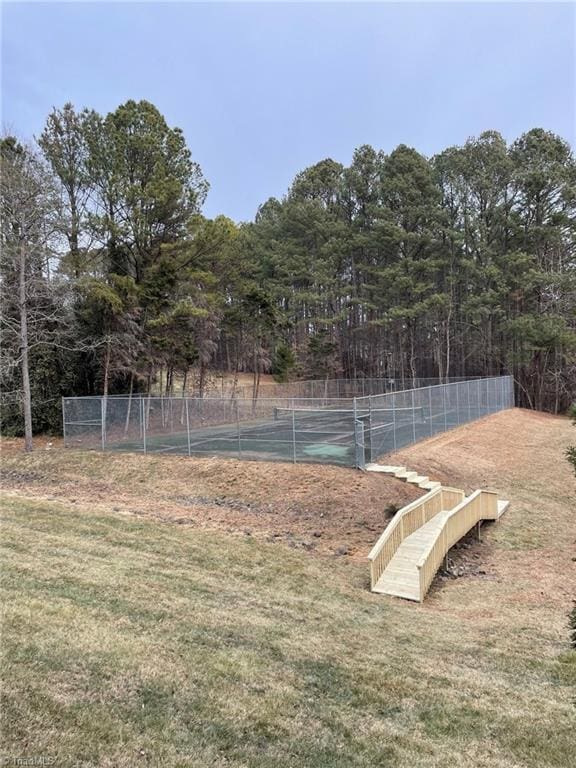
(129, 640)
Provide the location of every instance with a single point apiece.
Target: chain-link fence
(401, 418)
(346, 431)
(325, 388)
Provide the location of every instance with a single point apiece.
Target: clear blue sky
(264, 90)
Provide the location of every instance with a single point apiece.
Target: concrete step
(418, 479)
(391, 469)
(403, 473)
(386, 469)
(430, 485)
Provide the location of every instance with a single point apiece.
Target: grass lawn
(130, 641)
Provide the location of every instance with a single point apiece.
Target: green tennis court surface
(259, 439)
(325, 435)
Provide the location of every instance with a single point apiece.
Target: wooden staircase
(406, 557)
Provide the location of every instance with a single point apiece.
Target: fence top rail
(367, 378)
(373, 554)
(215, 398)
(435, 386)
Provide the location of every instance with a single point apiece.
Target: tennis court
(348, 432)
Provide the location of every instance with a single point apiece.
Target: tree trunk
(201, 378)
(256, 379)
(412, 357)
(105, 386)
(73, 238)
(26, 396)
(106, 369)
(129, 405)
(184, 400)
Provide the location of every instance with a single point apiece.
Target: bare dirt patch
(326, 509)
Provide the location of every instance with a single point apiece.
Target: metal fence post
(394, 419)
(468, 391)
(413, 418)
(143, 418)
(238, 429)
(188, 428)
(355, 432)
(359, 440)
(430, 408)
(293, 436)
(370, 427)
(63, 406)
(478, 396)
(444, 406)
(457, 385)
(103, 422)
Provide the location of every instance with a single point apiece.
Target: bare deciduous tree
(29, 207)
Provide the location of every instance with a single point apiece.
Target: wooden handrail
(480, 505)
(406, 521)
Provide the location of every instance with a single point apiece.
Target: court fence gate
(344, 431)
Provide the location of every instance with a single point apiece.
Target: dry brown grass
(320, 508)
(129, 640)
(529, 554)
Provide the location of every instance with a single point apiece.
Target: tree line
(398, 265)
